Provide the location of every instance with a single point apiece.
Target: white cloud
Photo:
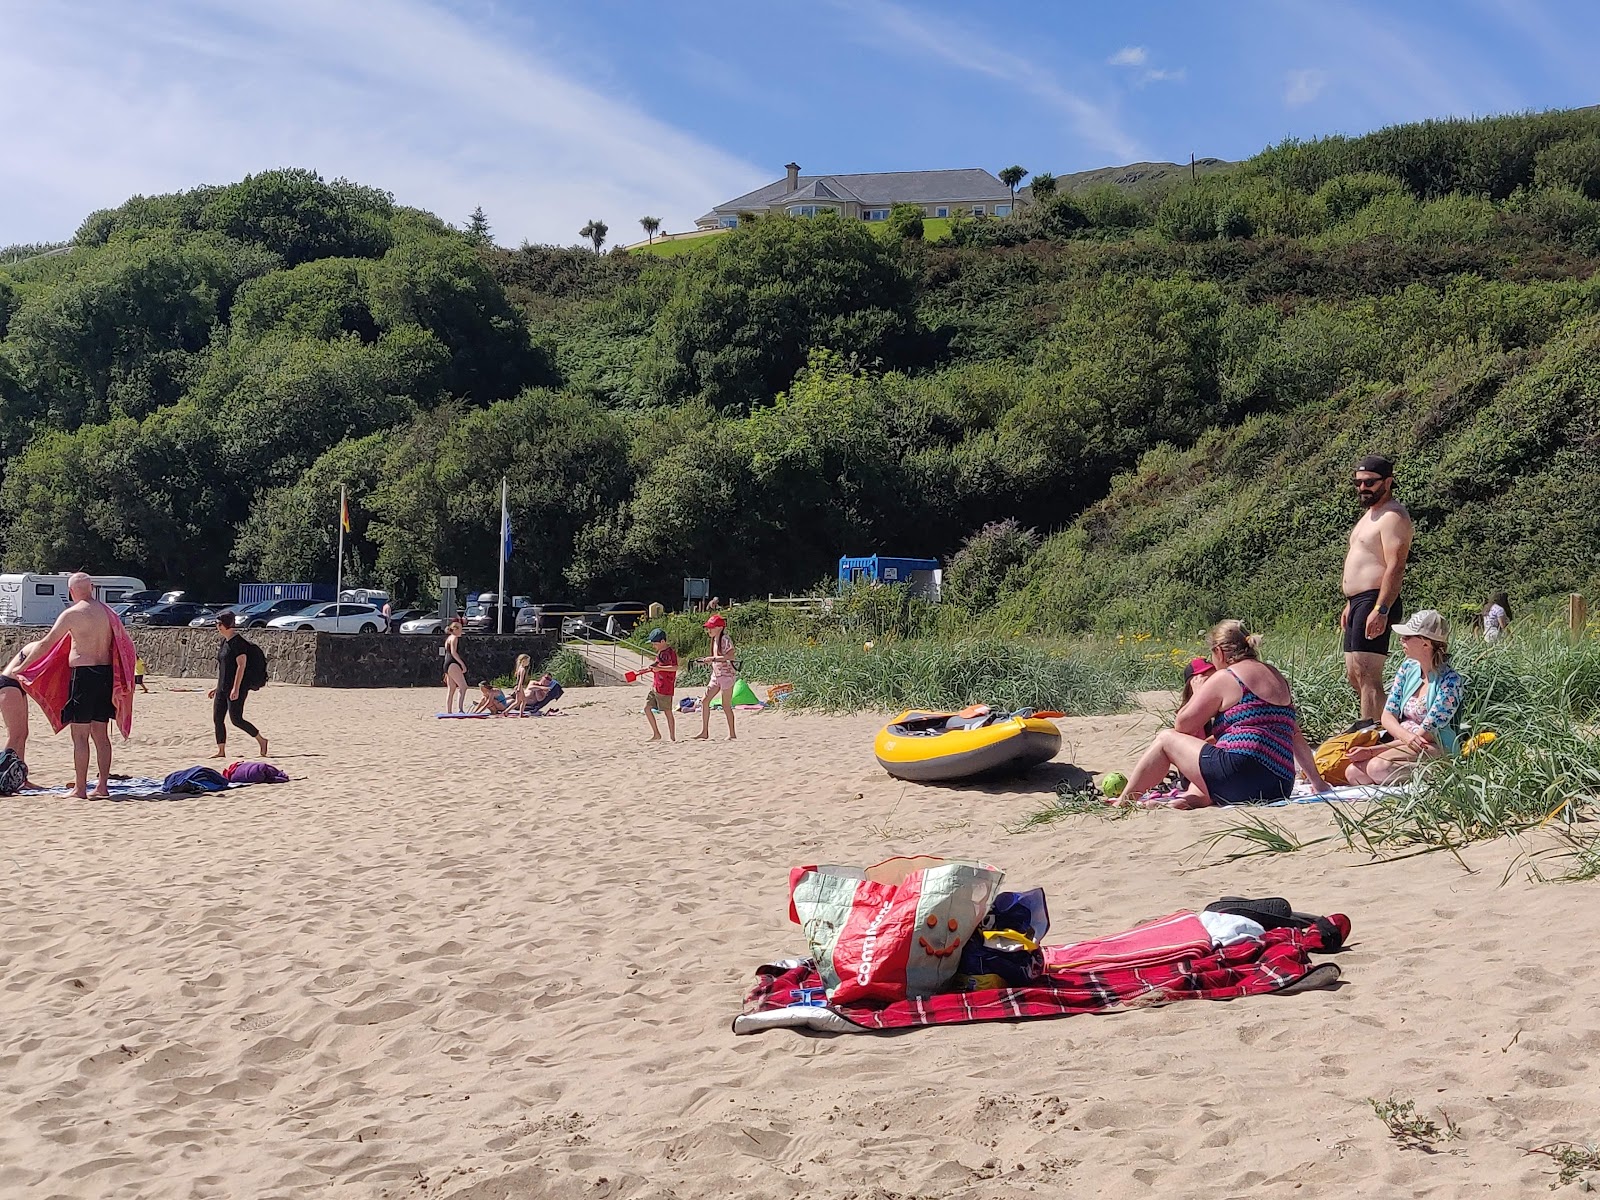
(101, 100)
(1303, 86)
(1158, 75)
(898, 29)
(1129, 56)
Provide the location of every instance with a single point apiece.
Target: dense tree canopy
(1167, 387)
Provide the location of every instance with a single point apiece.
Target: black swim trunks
(1356, 640)
(7, 682)
(90, 699)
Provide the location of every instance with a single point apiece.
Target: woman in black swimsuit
(455, 670)
(14, 703)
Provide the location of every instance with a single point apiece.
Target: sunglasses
(1364, 484)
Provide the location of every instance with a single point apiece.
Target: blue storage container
(257, 593)
(922, 574)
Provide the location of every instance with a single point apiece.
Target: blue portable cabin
(257, 593)
(922, 574)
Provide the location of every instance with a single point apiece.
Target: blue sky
(550, 113)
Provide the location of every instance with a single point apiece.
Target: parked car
(619, 617)
(399, 616)
(485, 618)
(256, 616)
(423, 625)
(332, 618)
(541, 618)
(165, 614)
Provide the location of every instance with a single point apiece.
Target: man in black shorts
(91, 705)
(1374, 566)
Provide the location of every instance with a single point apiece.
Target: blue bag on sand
(191, 780)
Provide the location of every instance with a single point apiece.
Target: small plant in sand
(1575, 1161)
(1071, 800)
(1412, 1131)
(1261, 835)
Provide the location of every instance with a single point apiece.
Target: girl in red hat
(723, 676)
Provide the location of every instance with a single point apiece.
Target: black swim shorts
(90, 699)
(1356, 640)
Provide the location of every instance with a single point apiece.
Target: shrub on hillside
(987, 562)
(1571, 164)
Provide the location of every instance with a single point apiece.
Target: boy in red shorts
(663, 682)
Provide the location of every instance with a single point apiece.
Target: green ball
(1113, 784)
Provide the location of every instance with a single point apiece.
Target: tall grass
(845, 676)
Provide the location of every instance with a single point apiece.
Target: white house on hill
(869, 197)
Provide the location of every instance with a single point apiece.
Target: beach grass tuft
(1260, 835)
(1574, 1160)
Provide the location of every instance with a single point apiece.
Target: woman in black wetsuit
(228, 697)
(14, 703)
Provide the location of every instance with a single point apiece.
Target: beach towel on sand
(49, 680)
(788, 993)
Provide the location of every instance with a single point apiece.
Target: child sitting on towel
(491, 699)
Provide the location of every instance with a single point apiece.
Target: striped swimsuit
(1258, 730)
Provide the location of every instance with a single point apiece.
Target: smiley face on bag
(930, 940)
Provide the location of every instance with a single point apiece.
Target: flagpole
(338, 570)
(500, 599)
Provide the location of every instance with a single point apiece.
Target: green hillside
(1168, 387)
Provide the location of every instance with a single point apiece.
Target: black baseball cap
(1378, 465)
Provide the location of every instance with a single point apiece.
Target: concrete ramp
(608, 660)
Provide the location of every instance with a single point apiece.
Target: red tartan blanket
(1246, 968)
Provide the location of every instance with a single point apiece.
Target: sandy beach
(500, 958)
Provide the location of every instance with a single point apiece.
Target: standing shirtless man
(89, 708)
(1373, 569)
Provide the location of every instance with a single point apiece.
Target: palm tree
(1012, 176)
(596, 232)
(650, 225)
(1044, 185)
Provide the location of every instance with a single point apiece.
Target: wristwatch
(1383, 610)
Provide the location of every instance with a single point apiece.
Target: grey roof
(879, 188)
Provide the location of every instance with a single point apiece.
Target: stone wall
(324, 659)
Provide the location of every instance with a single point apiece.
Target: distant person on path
(14, 702)
(455, 668)
(86, 662)
(1374, 566)
(723, 676)
(228, 697)
(388, 617)
(1421, 709)
(1256, 739)
(138, 676)
(1497, 618)
(663, 683)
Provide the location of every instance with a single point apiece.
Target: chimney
(794, 175)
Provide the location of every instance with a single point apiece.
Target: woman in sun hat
(1421, 710)
(723, 676)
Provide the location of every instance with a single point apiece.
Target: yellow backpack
(1333, 756)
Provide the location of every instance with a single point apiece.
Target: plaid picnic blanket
(1247, 968)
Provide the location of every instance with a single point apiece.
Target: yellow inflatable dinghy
(928, 747)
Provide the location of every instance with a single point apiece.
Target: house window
(810, 210)
(942, 210)
(977, 210)
(1002, 210)
(875, 214)
(729, 222)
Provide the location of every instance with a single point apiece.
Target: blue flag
(505, 537)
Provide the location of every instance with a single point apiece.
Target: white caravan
(29, 599)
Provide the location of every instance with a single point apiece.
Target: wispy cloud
(889, 26)
(1399, 69)
(1133, 57)
(1304, 85)
(101, 100)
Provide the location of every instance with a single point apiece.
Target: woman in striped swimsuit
(1256, 740)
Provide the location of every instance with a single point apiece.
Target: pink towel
(1181, 935)
(49, 679)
